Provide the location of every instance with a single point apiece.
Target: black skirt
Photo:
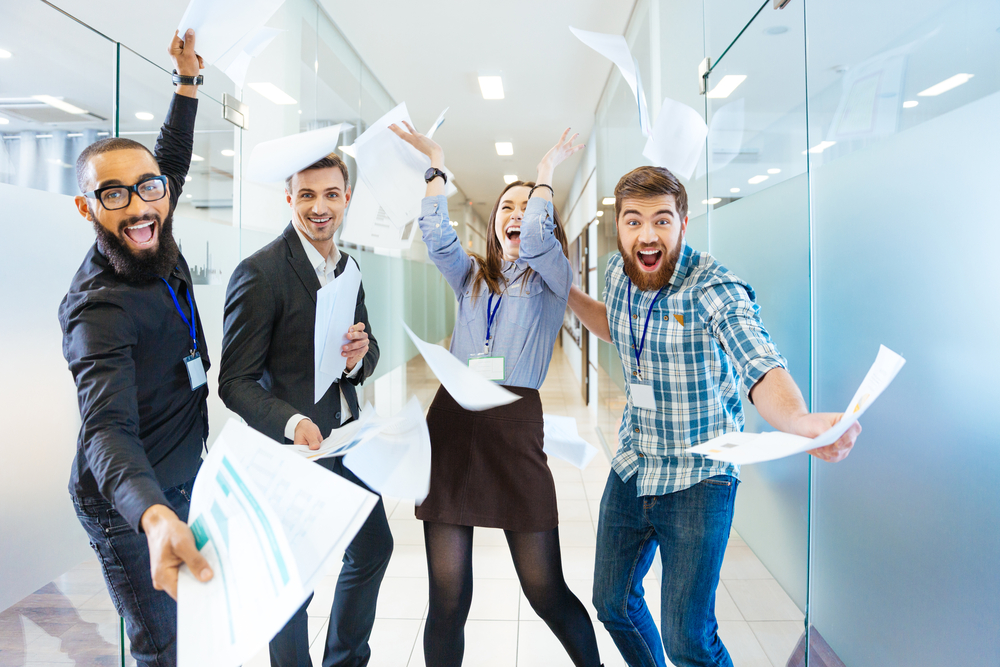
(488, 468)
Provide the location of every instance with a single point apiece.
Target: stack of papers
(741, 448)
(336, 304)
(270, 525)
(563, 441)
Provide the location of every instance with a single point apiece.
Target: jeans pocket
(719, 480)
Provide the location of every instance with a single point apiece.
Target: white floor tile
(492, 563)
(762, 600)
(487, 644)
(408, 560)
(488, 537)
(407, 531)
(740, 562)
(742, 644)
(494, 600)
(577, 534)
(402, 598)
(392, 642)
(778, 638)
(574, 510)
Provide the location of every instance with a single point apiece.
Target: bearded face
(649, 266)
(650, 238)
(139, 265)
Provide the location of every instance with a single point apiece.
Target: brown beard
(649, 281)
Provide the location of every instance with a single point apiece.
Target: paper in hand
(563, 441)
(677, 140)
(220, 25)
(336, 304)
(469, 389)
(275, 160)
(743, 448)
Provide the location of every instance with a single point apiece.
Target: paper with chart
(270, 525)
(391, 168)
(336, 304)
(615, 49)
(677, 140)
(741, 448)
(275, 160)
(220, 26)
(367, 223)
(469, 389)
(563, 441)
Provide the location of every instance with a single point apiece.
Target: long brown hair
(491, 267)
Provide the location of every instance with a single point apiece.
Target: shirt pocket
(524, 304)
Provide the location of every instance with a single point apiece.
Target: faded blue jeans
(691, 527)
(150, 615)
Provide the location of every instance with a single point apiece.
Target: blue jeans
(150, 615)
(691, 527)
(353, 612)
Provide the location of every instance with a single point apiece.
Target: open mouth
(514, 234)
(649, 259)
(142, 234)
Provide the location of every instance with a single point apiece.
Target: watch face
(429, 174)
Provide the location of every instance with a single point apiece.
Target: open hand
(557, 155)
(816, 423)
(186, 61)
(423, 144)
(357, 348)
(171, 543)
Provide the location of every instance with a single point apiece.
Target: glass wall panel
(906, 548)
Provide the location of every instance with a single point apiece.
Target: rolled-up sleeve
(733, 317)
(541, 249)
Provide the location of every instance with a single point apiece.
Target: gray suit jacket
(267, 370)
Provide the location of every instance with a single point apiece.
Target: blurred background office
(847, 175)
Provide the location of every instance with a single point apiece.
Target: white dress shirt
(324, 271)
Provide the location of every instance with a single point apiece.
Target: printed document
(367, 223)
(741, 448)
(270, 525)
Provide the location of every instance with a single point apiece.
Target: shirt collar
(683, 267)
(316, 259)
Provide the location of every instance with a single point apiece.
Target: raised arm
(443, 245)
(593, 313)
(175, 143)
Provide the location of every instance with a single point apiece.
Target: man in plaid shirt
(689, 337)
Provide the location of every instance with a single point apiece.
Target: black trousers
(353, 611)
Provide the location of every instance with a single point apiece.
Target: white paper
(367, 224)
(274, 161)
(677, 140)
(391, 168)
(468, 388)
(235, 62)
(336, 304)
(436, 124)
(615, 49)
(219, 25)
(743, 448)
(563, 441)
(270, 525)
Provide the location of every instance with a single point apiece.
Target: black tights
(539, 569)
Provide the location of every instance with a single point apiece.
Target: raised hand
(181, 50)
(421, 143)
(557, 155)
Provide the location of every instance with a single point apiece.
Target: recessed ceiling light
(726, 86)
(776, 30)
(189, 196)
(273, 93)
(196, 158)
(509, 178)
(4, 121)
(909, 104)
(600, 213)
(187, 178)
(946, 85)
(228, 152)
(505, 148)
(820, 147)
(59, 104)
(608, 201)
(759, 178)
(714, 200)
(774, 170)
(43, 136)
(143, 115)
(734, 190)
(492, 87)
(4, 53)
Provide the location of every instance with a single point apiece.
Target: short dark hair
(103, 146)
(331, 160)
(650, 182)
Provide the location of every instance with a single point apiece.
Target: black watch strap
(433, 173)
(180, 80)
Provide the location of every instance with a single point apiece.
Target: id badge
(490, 368)
(196, 370)
(642, 396)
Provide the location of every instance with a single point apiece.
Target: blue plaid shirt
(705, 341)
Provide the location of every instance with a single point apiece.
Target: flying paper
(741, 448)
(367, 224)
(235, 62)
(437, 123)
(336, 304)
(221, 25)
(677, 139)
(615, 49)
(275, 160)
(563, 441)
(469, 389)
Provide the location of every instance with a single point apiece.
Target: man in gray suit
(267, 377)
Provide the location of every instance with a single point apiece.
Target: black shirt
(143, 427)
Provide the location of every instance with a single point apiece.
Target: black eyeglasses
(116, 197)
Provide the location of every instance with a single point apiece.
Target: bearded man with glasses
(134, 342)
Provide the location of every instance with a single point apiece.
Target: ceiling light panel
(509, 178)
(726, 86)
(759, 178)
(608, 201)
(909, 104)
(491, 87)
(143, 115)
(4, 53)
(945, 86)
(59, 104)
(273, 93)
(505, 148)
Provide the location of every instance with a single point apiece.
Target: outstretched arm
(593, 313)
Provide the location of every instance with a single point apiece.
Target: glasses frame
(132, 190)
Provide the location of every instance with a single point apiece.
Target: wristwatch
(180, 80)
(433, 173)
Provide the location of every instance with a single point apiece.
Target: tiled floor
(72, 621)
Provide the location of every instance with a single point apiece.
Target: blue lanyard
(189, 323)
(491, 314)
(637, 349)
